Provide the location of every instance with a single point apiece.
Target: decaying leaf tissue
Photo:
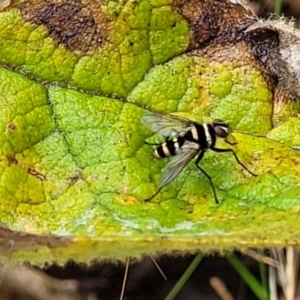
(228, 31)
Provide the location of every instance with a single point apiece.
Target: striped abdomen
(169, 148)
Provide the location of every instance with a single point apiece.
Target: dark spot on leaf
(11, 127)
(73, 180)
(216, 21)
(264, 43)
(36, 174)
(11, 159)
(75, 25)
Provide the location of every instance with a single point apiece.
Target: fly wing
(185, 154)
(165, 124)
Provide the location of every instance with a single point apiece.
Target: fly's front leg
(230, 143)
(236, 158)
(200, 156)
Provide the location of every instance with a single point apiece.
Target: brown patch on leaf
(285, 60)
(280, 96)
(264, 43)
(224, 31)
(283, 103)
(214, 21)
(11, 241)
(274, 45)
(79, 27)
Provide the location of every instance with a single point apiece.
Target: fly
(186, 139)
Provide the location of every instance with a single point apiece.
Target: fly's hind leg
(200, 156)
(153, 196)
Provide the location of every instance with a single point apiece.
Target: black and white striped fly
(184, 140)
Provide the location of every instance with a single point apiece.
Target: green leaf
(74, 167)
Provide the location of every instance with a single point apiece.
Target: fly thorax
(195, 134)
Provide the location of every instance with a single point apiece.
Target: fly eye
(221, 131)
(221, 128)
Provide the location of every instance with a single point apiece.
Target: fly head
(221, 128)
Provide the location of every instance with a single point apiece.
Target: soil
(144, 281)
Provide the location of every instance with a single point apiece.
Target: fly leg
(230, 143)
(236, 158)
(200, 156)
(155, 194)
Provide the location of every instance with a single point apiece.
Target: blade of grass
(263, 273)
(185, 277)
(278, 6)
(248, 278)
